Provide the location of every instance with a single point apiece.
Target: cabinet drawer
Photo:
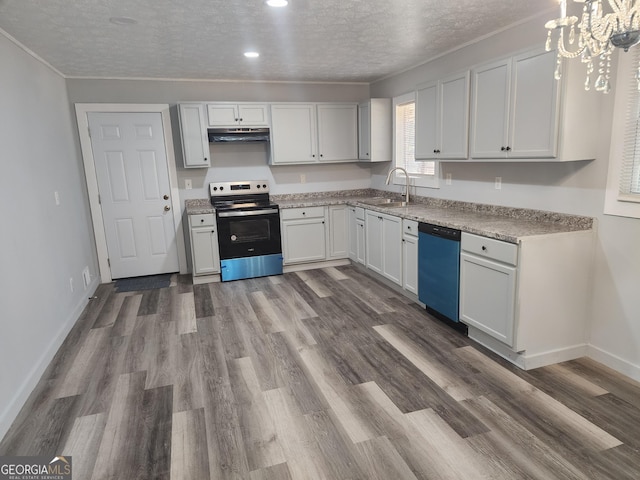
(203, 220)
(359, 213)
(299, 213)
(410, 227)
(490, 248)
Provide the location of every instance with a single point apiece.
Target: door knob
(166, 197)
(167, 208)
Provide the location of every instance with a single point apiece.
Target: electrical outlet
(187, 184)
(86, 277)
(448, 179)
(56, 195)
(498, 183)
(71, 284)
(303, 178)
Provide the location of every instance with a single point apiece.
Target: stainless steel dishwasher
(439, 272)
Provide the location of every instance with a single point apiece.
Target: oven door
(249, 233)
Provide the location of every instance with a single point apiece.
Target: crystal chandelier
(594, 36)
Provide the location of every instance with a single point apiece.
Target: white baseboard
(613, 361)
(522, 359)
(33, 377)
(313, 265)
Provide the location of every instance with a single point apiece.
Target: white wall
(42, 245)
(572, 188)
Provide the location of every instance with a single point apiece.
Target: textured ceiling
(310, 40)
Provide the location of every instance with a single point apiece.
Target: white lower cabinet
(410, 256)
(303, 235)
(356, 234)
(488, 286)
(383, 241)
(528, 302)
(337, 234)
(205, 256)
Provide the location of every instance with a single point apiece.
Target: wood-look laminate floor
(324, 374)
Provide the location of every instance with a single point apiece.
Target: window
(423, 173)
(623, 183)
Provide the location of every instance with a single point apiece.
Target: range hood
(238, 135)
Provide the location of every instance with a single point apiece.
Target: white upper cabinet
(293, 133)
(442, 118)
(337, 132)
(374, 130)
(195, 142)
(312, 133)
(515, 108)
(238, 114)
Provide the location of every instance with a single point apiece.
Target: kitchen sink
(384, 202)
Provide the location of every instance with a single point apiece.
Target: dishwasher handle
(439, 231)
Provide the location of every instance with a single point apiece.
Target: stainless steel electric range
(248, 229)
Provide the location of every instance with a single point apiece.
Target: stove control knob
(257, 186)
(264, 186)
(221, 188)
(215, 188)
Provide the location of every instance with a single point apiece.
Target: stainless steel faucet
(406, 175)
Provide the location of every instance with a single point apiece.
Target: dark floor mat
(143, 283)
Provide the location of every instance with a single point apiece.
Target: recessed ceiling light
(277, 3)
(251, 54)
(123, 20)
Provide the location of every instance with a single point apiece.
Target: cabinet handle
(202, 220)
(240, 119)
(313, 155)
(484, 249)
(502, 149)
(323, 222)
(205, 159)
(304, 213)
(321, 155)
(508, 149)
(408, 228)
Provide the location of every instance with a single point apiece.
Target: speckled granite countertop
(502, 223)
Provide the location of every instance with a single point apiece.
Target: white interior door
(135, 194)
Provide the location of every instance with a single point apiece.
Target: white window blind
(630, 169)
(406, 142)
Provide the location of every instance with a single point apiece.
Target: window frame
(417, 180)
(626, 97)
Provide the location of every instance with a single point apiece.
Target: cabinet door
(410, 263)
(353, 233)
(337, 132)
(253, 115)
(534, 106)
(337, 232)
(454, 117)
(487, 296)
(392, 248)
(222, 114)
(490, 86)
(427, 113)
(373, 241)
(195, 142)
(303, 240)
(361, 242)
(204, 246)
(293, 133)
(364, 131)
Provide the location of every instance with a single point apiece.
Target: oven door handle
(248, 213)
